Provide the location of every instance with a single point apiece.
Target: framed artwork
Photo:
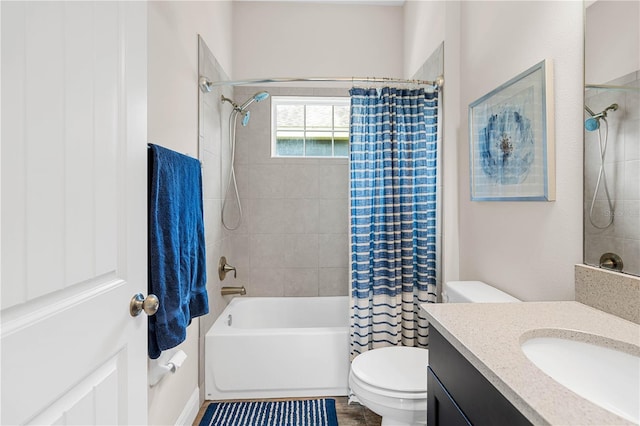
(511, 148)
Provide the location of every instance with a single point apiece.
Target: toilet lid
(397, 368)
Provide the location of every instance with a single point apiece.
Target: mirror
(612, 135)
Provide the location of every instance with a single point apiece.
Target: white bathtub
(274, 347)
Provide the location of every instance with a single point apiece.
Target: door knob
(147, 304)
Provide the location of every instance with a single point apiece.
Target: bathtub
(276, 347)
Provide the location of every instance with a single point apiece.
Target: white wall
(424, 30)
(289, 39)
(173, 66)
(525, 248)
(612, 41)
(173, 122)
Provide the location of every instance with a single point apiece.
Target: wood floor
(348, 415)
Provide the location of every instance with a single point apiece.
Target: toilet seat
(393, 371)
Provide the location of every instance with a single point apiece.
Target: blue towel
(177, 265)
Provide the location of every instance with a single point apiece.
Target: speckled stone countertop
(489, 335)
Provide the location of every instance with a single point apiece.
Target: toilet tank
(473, 292)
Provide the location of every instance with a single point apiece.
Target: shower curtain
(393, 156)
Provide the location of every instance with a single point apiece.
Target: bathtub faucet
(225, 291)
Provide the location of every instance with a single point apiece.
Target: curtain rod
(207, 85)
(610, 86)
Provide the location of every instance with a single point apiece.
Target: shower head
(593, 123)
(257, 97)
(242, 109)
(246, 115)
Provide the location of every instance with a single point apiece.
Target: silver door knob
(147, 304)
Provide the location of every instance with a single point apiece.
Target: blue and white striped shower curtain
(393, 155)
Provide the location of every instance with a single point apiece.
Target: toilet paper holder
(158, 369)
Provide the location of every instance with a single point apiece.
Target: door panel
(73, 212)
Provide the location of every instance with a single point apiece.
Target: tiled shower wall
(293, 238)
(211, 131)
(622, 166)
(212, 134)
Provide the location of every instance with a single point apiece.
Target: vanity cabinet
(459, 394)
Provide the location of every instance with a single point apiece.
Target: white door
(73, 212)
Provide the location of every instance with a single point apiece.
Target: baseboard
(190, 411)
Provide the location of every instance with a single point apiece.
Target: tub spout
(225, 291)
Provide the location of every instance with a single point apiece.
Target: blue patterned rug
(310, 412)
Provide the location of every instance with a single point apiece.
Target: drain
(611, 261)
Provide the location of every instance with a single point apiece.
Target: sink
(607, 377)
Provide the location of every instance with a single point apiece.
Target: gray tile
(333, 216)
(283, 181)
(333, 250)
(333, 282)
(301, 251)
(211, 175)
(266, 282)
(269, 250)
(301, 282)
(236, 249)
(334, 180)
(283, 216)
(211, 213)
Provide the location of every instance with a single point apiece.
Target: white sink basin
(607, 377)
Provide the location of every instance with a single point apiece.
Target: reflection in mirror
(612, 135)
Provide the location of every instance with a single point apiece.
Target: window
(309, 127)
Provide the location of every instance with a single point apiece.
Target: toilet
(392, 381)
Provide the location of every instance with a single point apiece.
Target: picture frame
(511, 143)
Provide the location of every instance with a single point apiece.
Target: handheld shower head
(257, 97)
(246, 115)
(593, 123)
(242, 109)
(261, 96)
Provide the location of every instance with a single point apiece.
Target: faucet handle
(223, 268)
(229, 268)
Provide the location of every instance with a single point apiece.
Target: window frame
(305, 100)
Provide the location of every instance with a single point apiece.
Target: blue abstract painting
(507, 146)
(510, 148)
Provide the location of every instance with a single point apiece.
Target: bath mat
(309, 412)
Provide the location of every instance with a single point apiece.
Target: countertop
(489, 335)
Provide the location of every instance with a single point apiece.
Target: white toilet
(392, 381)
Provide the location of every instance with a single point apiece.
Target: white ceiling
(361, 2)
